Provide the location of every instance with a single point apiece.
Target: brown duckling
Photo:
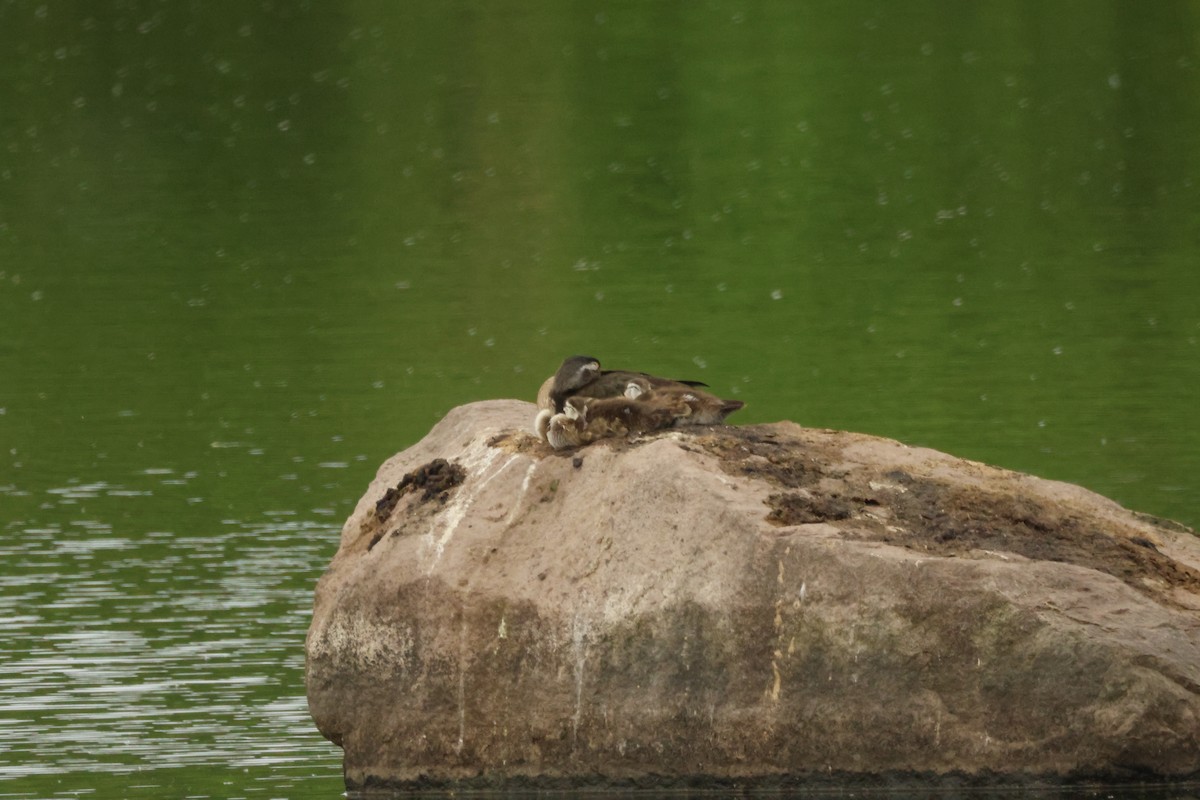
(697, 407)
(585, 419)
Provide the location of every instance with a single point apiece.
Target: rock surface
(752, 604)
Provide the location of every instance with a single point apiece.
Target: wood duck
(573, 374)
(543, 396)
(581, 375)
(581, 403)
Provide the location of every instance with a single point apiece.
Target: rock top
(764, 604)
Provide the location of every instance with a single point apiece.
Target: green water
(249, 250)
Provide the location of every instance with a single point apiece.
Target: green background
(249, 250)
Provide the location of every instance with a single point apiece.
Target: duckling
(574, 373)
(585, 419)
(564, 429)
(541, 423)
(697, 407)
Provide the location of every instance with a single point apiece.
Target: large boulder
(764, 603)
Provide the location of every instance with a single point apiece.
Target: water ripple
(154, 650)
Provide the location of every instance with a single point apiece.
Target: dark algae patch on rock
(935, 516)
(804, 509)
(435, 480)
(431, 482)
(953, 520)
(755, 451)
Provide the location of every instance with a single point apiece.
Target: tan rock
(762, 603)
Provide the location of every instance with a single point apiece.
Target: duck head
(573, 374)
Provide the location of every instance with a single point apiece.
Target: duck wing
(580, 376)
(620, 377)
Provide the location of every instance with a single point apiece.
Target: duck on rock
(581, 403)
